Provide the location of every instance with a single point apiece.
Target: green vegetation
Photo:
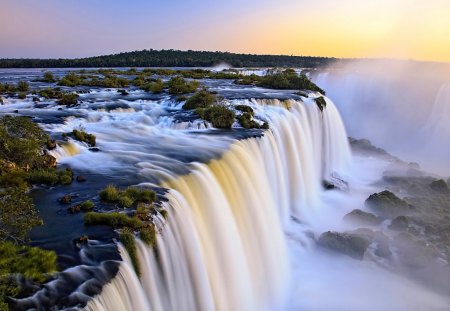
(48, 77)
(128, 197)
(21, 141)
(320, 102)
(219, 116)
(82, 136)
(22, 95)
(148, 235)
(128, 241)
(50, 176)
(285, 80)
(245, 108)
(51, 93)
(115, 220)
(178, 85)
(201, 99)
(17, 215)
(23, 86)
(35, 264)
(21, 159)
(68, 99)
(156, 87)
(247, 122)
(87, 205)
(172, 58)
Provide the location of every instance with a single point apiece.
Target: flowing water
(245, 207)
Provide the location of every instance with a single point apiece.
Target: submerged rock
(387, 204)
(350, 244)
(363, 218)
(65, 199)
(81, 178)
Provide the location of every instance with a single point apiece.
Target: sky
(405, 29)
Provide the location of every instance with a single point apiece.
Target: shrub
(128, 197)
(148, 235)
(219, 116)
(177, 85)
(87, 205)
(245, 108)
(320, 102)
(115, 220)
(21, 141)
(156, 87)
(71, 80)
(69, 99)
(23, 86)
(201, 99)
(65, 176)
(13, 178)
(17, 214)
(22, 95)
(124, 201)
(127, 239)
(82, 136)
(43, 177)
(245, 120)
(109, 194)
(50, 93)
(48, 77)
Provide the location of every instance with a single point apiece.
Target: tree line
(172, 58)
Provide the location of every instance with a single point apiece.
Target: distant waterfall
(403, 110)
(223, 246)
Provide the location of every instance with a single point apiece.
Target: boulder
(81, 178)
(82, 240)
(387, 204)
(440, 186)
(36, 99)
(346, 243)
(48, 161)
(363, 218)
(65, 199)
(399, 223)
(51, 144)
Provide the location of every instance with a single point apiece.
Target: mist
(401, 106)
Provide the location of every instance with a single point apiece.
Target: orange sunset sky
(407, 29)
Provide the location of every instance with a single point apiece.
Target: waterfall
(223, 246)
(403, 108)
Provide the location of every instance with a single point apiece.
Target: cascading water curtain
(223, 246)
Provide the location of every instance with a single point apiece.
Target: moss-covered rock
(387, 204)
(320, 102)
(364, 218)
(399, 223)
(219, 116)
(440, 186)
(346, 243)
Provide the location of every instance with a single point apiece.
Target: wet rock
(412, 252)
(82, 239)
(51, 144)
(36, 99)
(48, 161)
(328, 185)
(363, 218)
(1, 101)
(383, 250)
(440, 186)
(81, 178)
(65, 199)
(94, 149)
(123, 92)
(16, 111)
(399, 223)
(387, 204)
(346, 243)
(74, 209)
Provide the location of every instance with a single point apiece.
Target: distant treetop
(172, 58)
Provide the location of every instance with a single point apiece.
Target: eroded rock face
(360, 217)
(352, 245)
(440, 186)
(399, 223)
(388, 205)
